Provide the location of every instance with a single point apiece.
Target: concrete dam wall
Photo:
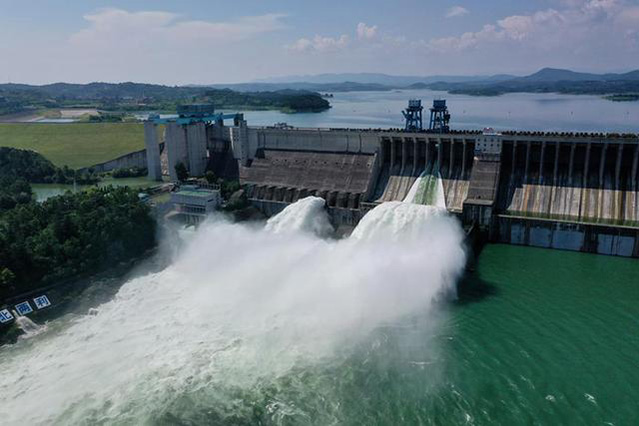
(574, 192)
(567, 191)
(400, 159)
(343, 179)
(584, 181)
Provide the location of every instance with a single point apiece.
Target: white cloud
(456, 11)
(320, 44)
(365, 32)
(119, 28)
(580, 24)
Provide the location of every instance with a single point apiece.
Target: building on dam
(571, 191)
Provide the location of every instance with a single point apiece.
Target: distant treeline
(71, 235)
(518, 86)
(16, 98)
(129, 172)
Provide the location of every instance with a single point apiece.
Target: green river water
(542, 337)
(537, 337)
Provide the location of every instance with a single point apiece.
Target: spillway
(555, 190)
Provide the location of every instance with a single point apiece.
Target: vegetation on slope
(71, 235)
(34, 168)
(13, 192)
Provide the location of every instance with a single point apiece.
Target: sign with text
(42, 302)
(24, 308)
(5, 316)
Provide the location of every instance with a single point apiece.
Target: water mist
(240, 308)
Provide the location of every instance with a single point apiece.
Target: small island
(627, 97)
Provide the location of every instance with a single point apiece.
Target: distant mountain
(345, 86)
(394, 81)
(554, 75)
(550, 80)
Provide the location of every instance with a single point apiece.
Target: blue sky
(221, 41)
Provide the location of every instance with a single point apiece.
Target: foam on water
(239, 308)
(28, 327)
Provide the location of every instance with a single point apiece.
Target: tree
(181, 172)
(210, 177)
(70, 235)
(6, 277)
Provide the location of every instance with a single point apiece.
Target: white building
(192, 203)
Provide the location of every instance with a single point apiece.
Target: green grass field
(75, 144)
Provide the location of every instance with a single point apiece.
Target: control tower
(413, 115)
(439, 117)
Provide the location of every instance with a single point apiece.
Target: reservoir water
(279, 325)
(515, 111)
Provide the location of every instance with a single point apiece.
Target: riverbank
(43, 191)
(79, 294)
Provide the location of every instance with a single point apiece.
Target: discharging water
(250, 324)
(428, 190)
(279, 325)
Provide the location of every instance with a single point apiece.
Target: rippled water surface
(543, 337)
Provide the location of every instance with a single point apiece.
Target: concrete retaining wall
(134, 159)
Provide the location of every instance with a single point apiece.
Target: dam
(571, 191)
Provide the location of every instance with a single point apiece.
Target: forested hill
(15, 98)
(35, 168)
(71, 235)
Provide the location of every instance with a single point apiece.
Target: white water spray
(239, 308)
(28, 327)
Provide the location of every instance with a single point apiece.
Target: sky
(221, 41)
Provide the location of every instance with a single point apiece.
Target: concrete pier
(635, 167)
(152, 146)
(541, 162)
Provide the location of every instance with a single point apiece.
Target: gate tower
(413, 115)
(439, 117)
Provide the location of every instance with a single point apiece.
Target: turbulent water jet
(28, 327)
(239, 310)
